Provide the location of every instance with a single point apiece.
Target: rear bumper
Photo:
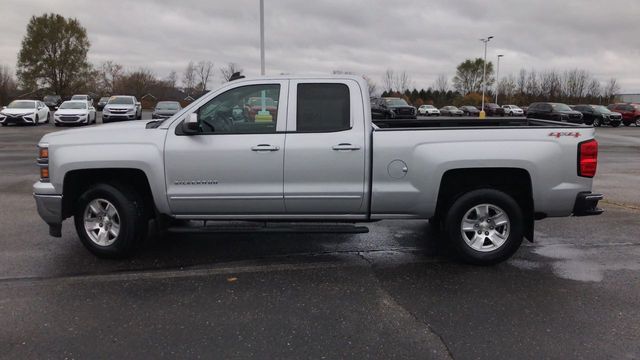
(587, 204)
(50, 210)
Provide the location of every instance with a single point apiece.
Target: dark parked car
(491, 109)
(392, 108)
(524, 109)
(598, 115)
(469, 110)
(165, 109)
(554, 111)
(52, 101)
(630, 113)
(451, 111)
(102, 102)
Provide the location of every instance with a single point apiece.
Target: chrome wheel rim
(101, 222)
(485, 227)
(638, 122)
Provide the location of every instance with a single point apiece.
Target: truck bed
(467, 122)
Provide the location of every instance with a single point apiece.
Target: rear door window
(323, 108)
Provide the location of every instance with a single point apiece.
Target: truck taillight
(587, 158)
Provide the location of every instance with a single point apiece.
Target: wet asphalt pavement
(392, 293)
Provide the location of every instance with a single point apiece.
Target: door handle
(265, 147)
(345, 146)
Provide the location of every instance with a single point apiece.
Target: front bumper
(50, 210)
(21, 119)
(71, 119)
(118, 117)
(587, 204)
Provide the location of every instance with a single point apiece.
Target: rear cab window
(323, 107)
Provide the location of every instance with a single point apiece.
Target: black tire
(595, 122)
(132, 217)
(37, 122)
(56, 124)
(465, 203)
(614, 123)
(626, 123)
(48, 118)
(638, 121)
(139, 117)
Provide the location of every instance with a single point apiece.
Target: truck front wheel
(110, 220)
(484, 226)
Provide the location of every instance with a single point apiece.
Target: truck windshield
(167, 106)
(121, 100)
(395, 102)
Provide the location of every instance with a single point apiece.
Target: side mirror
(190, 124)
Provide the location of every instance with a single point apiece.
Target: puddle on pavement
(581, 263)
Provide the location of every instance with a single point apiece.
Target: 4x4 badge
(557, 134)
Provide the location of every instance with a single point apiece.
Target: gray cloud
(425, 38)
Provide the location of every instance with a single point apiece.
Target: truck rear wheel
(110, 220)
(484, 226)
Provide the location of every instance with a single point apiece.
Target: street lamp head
(489, 38)
(500, 55)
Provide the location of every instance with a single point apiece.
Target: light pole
(498, 76)
(484, 74)
(261, 37)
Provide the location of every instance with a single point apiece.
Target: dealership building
(628, 98)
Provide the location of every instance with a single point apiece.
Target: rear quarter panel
(550, 160)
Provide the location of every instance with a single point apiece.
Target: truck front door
(233, 167)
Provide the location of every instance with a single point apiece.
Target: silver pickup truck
(302, 154)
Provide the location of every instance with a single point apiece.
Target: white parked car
(32, 112)
(86, 98)
(120, 108)
(77, 112)
(512, 110)
(428, 110)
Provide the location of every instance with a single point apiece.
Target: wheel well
(513, 181)
(77, 181)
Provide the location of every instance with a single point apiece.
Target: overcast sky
(425, 38)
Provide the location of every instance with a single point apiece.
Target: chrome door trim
(323, 197)
(227, 197)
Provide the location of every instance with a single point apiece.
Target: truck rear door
(324, 163)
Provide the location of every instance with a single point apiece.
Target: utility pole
(498, 76)
(484, 75)
(261, 37)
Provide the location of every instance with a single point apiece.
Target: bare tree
(172, 79)
(610, 90)
(8, 84)
(402, 81)
(388, 80)
(138, 83)
(230, 69)
(189, 77)
(441, 84)
(203, 70)
(593, 90)
(109, 74)
(522, 81)
(373, 88)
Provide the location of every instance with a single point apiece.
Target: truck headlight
(43, 161)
